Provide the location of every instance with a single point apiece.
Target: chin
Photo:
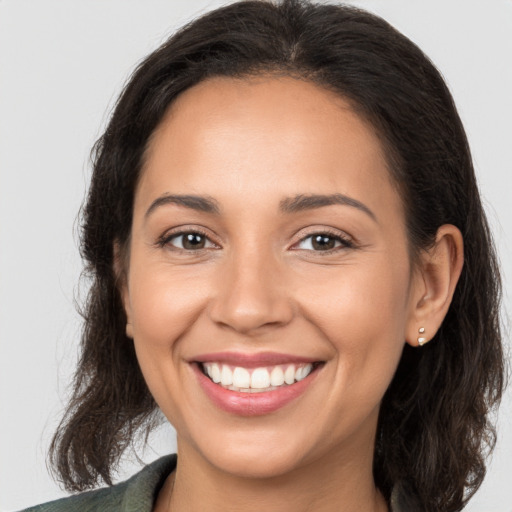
(257, 458)
(256, 463)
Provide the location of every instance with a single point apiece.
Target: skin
(259, 284)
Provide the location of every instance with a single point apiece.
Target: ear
(120, 272)
(434, 283)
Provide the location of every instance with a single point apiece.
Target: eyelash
(165, 239)
(345, 243)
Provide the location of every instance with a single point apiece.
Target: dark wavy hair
(434, 431)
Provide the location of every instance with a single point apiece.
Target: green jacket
(138, 494)
(134, 495)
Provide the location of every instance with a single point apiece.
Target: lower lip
(252, 404)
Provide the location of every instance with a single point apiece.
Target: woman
(290, 260)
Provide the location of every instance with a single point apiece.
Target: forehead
(261, 137)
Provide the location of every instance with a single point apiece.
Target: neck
(330, 484)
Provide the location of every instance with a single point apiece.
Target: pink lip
(251, 404)
(252, 360)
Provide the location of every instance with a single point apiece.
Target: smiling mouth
(257, 380)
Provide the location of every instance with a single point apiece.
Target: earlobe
(439, 271)
(422, 336)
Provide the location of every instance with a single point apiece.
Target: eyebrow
(294, 204)
(303, 202)
(199, 203)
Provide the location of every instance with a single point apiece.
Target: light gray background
(62, 64)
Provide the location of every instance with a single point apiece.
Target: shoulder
(136, 494)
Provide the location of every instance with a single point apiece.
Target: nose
(252, 294)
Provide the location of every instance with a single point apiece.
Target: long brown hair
(433, 432)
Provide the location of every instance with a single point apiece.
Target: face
(269, 249)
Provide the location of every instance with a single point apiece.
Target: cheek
(164, 304)
(361, 310)
(366, 299)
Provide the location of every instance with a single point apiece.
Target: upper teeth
(264, 378)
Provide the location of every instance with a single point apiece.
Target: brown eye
(323, 242)
(190, 241)
(193, 241)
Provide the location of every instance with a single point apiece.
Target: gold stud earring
(421, 340)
